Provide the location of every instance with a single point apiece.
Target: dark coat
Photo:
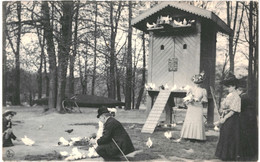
(113, 129)
(7, 124)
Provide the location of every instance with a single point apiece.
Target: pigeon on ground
(168, 134)
(64, 153)
(27, 141)
(92, 152)
(41, 126)
(69, 130)
(149, 143)
(132, 126)
(62, 141)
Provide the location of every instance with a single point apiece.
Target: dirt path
(46, 129)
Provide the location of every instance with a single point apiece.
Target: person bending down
(113, 134)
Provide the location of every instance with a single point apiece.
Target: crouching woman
(8, 134)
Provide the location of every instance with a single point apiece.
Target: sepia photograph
(130, 80)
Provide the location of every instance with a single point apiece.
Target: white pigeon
(27, 141)
(177, 23)
(168, 134)
(152, 85)
(146, 86)
(187, 88)
(174, 88)
(114, 110)
(166, 86)
(149, 26)
(64, 153)
(75, 139)
(216, 128)
(41, 126)
(63, 141)
(92, 152)
(149, 143)
(173, 125)
(75, 155)
(184, 22)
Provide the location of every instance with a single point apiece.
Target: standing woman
(193, 127)
(228, 144)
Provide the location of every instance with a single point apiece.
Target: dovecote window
(162, 47)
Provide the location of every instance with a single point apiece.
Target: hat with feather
(198, 78)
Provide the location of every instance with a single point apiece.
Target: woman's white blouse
(199, 94)
(232, 101)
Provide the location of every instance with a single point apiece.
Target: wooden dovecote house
(182, 43)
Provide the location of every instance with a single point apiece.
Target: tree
(141, 91)
(4, 54)
(64, 44)
(48, 30)
(74, 51)
(16, 52)
(95, 52)
(128, 87)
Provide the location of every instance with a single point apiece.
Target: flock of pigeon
(169, 20)
(152, 86)
(167, 134)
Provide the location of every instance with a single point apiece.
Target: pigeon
(187, 88)
(64, 153)
(184, 22)
(149, 143)
(132, 126)
(69, 130)
(149, 26)
(168, 134)
(146, 86)
(112, 110)
(75, 139)
(216, 129)
(177, 23)
(166, 86)
(173, 125)
(27, 141)
(41, 126)
(174, 87)
(152, 85)
(92, 152)
(75, 155)
(62, 141)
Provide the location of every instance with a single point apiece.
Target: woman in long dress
(193, 126)
(228, 143)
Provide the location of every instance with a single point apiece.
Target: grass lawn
(28, 120)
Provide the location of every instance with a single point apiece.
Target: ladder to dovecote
(155, 113)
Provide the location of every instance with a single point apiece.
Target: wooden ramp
(156, 111)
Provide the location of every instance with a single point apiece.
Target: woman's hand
(222, 120)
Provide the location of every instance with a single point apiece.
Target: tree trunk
(39, 76)
(128, 87)
(112, 54)
(118, 84)
(17, 58)
(250, 81)
(73, 56)
(230, 40)
(48, 30)
(95, 54)
(4, 54)
(139, 99)
(66, 33)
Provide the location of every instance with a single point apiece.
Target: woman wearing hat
(115, 139)
(7, 128)
(193, 126)
(228, 143)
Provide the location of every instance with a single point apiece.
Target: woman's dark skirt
(228, 144)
